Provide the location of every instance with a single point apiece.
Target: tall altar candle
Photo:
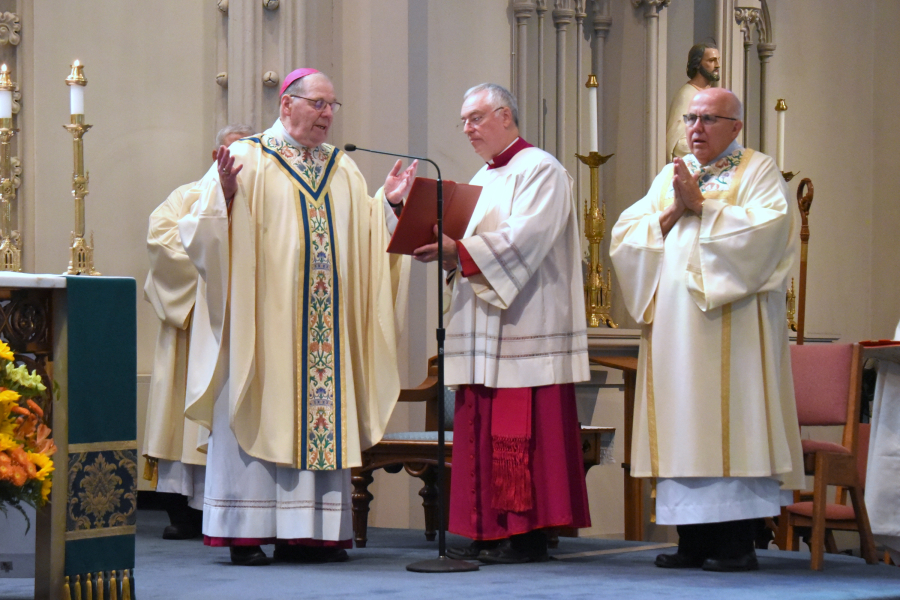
(780, 108)
(5, 95)
(76, 95)
(592, 105)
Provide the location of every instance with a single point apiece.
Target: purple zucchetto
(294, 76)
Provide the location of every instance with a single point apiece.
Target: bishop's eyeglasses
(691, 118)
(320, 103)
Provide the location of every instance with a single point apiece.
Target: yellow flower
(46, 484)
(9, 395)
(43, 463)
(7, 442)
(5, 352)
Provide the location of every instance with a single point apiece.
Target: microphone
(439, 566)
(354, 148)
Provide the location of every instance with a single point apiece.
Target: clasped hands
(687, 195)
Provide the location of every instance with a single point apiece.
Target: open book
(419, 215)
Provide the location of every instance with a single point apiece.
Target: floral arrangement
(25, 443)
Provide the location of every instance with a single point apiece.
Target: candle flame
(3, 68)
(76, 63)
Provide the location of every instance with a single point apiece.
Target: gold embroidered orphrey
(321, 423)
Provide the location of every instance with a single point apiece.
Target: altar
(80, 334)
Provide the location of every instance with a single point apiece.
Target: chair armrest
(424, 391)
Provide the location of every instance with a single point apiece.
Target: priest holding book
(516, 344)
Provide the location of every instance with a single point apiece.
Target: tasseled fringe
(151, 470)
(653, 497)
(113, 588)
(511, 475)
(126, 586)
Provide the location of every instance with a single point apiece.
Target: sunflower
(5, 352)
(43, 463)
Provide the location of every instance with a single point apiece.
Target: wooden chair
(416, 452)
(827, 389)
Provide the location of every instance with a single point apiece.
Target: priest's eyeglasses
(475, 120)
(707, 120)
(320, 103)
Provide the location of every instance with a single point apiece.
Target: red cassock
(559, 495)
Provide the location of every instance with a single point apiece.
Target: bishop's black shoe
(472, 551)
(298, 553)
(249, 556)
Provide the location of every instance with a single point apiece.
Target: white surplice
(295, 368)
(883, 469)
(171, 289)
(520, 322)
(714, 396)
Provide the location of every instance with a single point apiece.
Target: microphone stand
(441, 564)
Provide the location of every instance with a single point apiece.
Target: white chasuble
(714, 393)
(301, 285)
(521, 321)
(170, 288)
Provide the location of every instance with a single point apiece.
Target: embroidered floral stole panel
(719, 181)
(320, 419)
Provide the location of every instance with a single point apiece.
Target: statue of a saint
(703, 70)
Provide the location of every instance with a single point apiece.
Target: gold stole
(321, 414)
(720, 182)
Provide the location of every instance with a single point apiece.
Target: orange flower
(14, 474)
(35, 408)
(43, 443)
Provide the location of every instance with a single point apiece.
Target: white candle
(5, 100)
(76, 98)
(595, 133)
(779, 140)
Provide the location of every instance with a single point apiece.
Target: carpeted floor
(584, 568)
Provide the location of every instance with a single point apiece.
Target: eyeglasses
(691, 118)
(320, 103)
(474, 120)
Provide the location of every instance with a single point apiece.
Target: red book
(419, 215)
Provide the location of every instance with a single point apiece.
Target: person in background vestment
(170, 440)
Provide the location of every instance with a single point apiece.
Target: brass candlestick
(597, 292)
(10, 242)
(81, 253)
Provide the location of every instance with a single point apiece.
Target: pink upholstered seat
(833, 512)
(810, 446)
